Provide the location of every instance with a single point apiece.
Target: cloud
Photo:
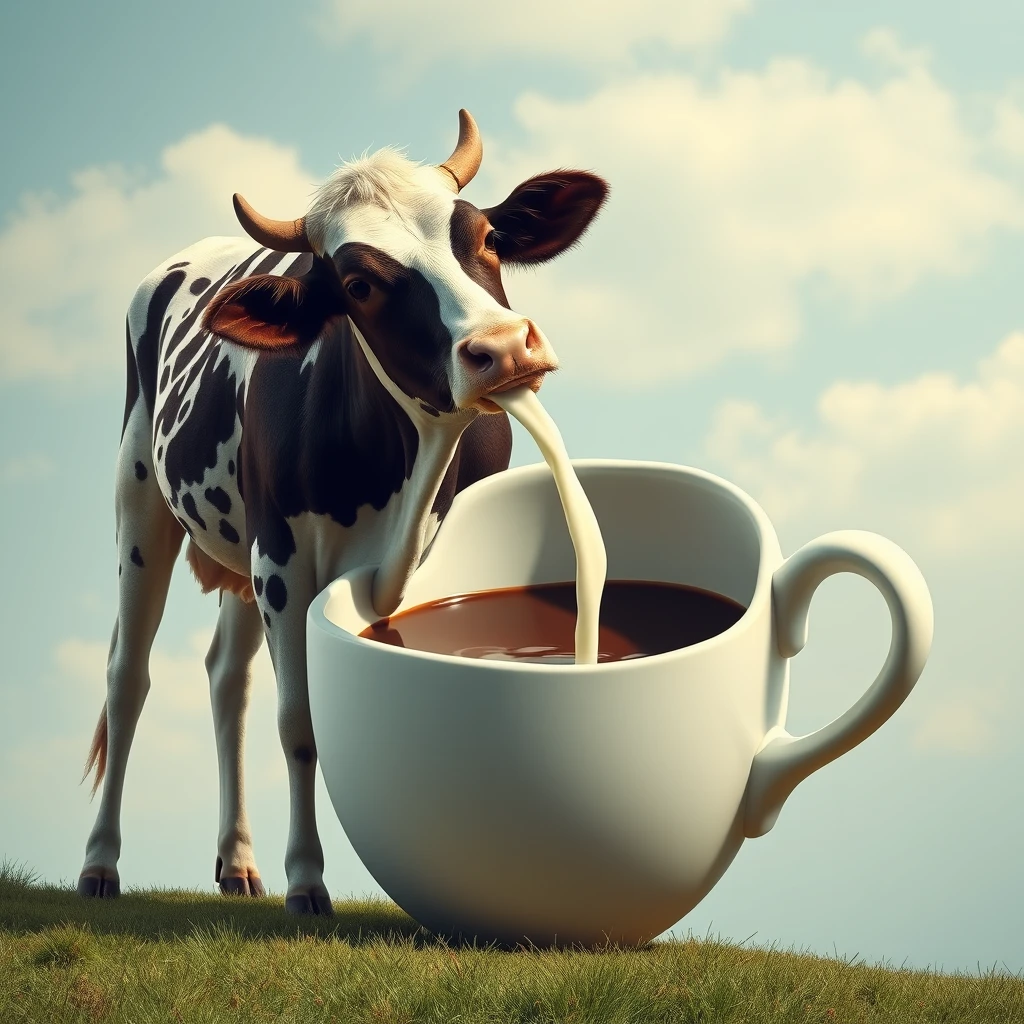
(71, 264)
(472, 33)
(1008, 125)
(935, 459)
(731, 196)
(886, 47)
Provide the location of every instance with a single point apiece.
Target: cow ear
(268, 312)
(546, 215)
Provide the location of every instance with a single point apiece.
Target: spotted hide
(301, 401)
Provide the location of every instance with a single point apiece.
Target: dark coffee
(537, 624)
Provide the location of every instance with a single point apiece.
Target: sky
(807, 279)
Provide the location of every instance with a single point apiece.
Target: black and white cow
(299, 407)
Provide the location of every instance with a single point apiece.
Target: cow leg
(284, 601)
(148, 541)
(237, 638)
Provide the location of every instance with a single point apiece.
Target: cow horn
(465, 161)
(282, 235)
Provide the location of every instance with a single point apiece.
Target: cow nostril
(480, 362)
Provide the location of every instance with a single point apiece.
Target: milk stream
(591, 558)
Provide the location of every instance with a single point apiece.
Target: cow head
(418, 273)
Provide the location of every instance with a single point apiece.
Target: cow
(300, 402)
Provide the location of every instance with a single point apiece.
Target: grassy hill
(189, 957)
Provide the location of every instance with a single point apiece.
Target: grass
(160, 955)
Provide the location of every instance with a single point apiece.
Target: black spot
(140, 471)
(228, 532)
(303, 755)
(277, 593)
(429, 409)
(131, 391)
(193, 449)
(183, 411)
(137, 558)
(219, 499)
(266, 619)
(175, 266)
(164, 377)
(188, 352)
(160, 452)
(188, 503)
(198, 285)
(186, 313)
(257, 585)
(119, 570)
(267, 264)
(303, 265)
(149, 341)
(168, 413)
(231, 467)
(185, 327)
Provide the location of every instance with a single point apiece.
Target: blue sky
(807, 279)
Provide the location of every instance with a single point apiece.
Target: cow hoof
(242, 886)
(246, 884)
(318, 903)
(98, 887)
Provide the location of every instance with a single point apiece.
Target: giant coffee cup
(587, 804)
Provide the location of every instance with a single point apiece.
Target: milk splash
(591, 558)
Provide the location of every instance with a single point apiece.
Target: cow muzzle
(499, 360)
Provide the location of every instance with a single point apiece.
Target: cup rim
(317, 616)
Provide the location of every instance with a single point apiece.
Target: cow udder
(214, 576)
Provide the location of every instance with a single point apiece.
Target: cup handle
(783, 760)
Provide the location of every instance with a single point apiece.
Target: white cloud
(885, 46)
(934, 459)
(1008, 126)
(471, 33)
(731, 196)
(70, 265)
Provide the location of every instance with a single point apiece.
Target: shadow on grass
(27, 906)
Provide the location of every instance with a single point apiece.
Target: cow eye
(489, 244)
(359, 290)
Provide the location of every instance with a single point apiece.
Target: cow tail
(97, 752)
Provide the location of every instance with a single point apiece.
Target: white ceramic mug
(584, 804)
